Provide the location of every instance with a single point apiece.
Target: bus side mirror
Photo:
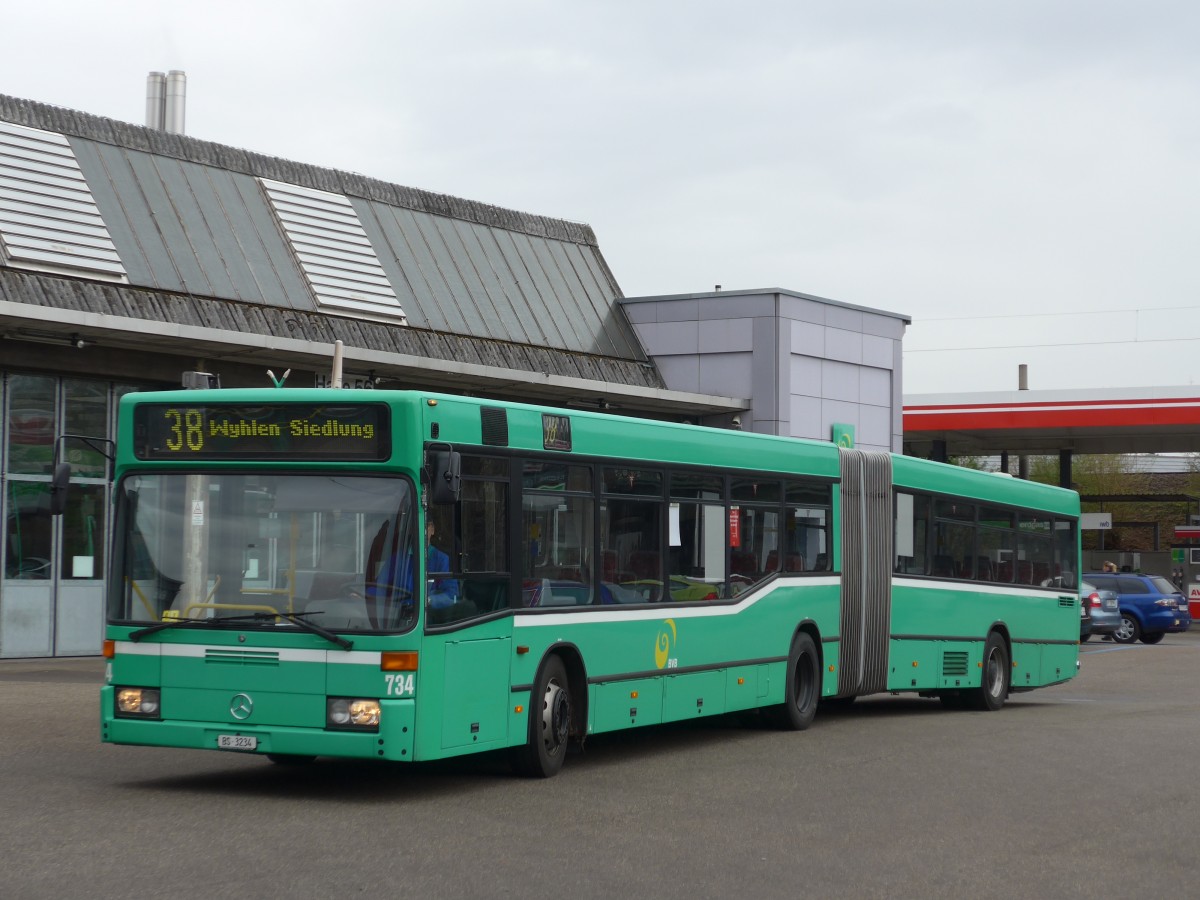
(447, 476)
(58, 488)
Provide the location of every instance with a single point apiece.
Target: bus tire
(549, 723)
(803, 690)
(993, 689)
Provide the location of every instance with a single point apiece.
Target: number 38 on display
(185, 427)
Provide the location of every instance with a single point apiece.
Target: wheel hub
(556, 717)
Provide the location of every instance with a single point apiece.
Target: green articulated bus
(409, 576)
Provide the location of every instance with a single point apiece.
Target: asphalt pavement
(1087, 789)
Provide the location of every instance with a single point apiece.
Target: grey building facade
(806, 363)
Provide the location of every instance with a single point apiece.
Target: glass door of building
(51, 589)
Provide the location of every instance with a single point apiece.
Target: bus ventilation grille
(1066, 602)
(495, 425)
(954, 663)
(241, 657)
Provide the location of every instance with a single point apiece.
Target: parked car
(1151, 606)
(1099, 608)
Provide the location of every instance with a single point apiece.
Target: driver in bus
(397, 573)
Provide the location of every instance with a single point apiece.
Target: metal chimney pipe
(176, 96)
(156, 95)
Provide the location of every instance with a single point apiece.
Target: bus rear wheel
(991, 694)
(549, 723)
(803, 685)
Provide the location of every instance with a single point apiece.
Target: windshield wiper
(298, 619)
(294, 618)
(173, 623)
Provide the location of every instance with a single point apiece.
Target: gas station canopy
(1114, 420)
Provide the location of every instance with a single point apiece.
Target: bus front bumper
(393, 740)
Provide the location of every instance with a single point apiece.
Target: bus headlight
(140, 702)
(352, 713)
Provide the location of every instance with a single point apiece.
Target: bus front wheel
(803, 684)
(993, 690)
(549, 723)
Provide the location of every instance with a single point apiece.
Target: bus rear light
(109, 649)
(396, 661)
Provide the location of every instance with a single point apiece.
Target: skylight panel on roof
(333, 250)
(49, 220)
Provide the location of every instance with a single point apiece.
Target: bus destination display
(284, 431)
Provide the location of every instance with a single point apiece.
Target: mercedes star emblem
(241, 706)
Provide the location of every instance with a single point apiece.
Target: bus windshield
(334, 549)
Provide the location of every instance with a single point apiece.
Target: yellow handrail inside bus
(145, 602)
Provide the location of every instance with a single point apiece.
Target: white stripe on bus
(701, 609)
(283, 654)
(690, 612)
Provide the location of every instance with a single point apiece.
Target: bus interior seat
(318, 585)
(742, 564)
(345, 612)
(645, 564)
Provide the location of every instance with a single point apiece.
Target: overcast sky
(1018, 176)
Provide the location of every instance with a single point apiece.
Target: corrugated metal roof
(188, 216)
(369, 338)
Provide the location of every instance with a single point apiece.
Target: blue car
(1151, 606)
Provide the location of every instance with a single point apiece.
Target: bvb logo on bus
(664, 644)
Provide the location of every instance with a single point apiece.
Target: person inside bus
(397, 572)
